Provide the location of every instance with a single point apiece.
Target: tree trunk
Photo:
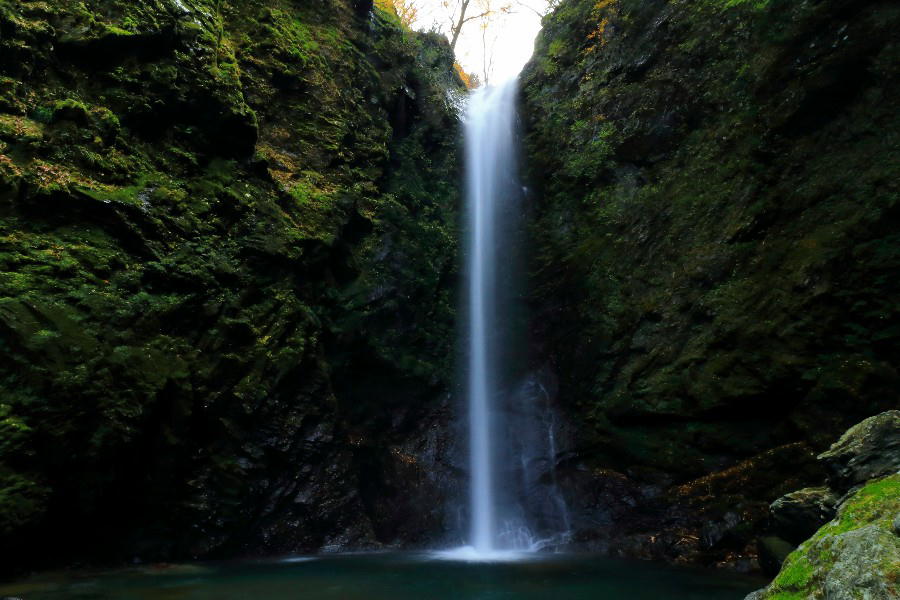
(459, 24)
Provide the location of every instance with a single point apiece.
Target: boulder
(856, 555)
(796, 516)
(867, 565)
(866, 451)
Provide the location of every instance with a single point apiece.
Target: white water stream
(509, 430)
(490, 163)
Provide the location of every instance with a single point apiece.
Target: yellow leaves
(603, 10)
(469, 79)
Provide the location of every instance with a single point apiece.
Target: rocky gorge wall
(227, 263)
(228, 251)
(714, 248)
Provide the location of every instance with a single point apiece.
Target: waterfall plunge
(491, 175)
(507, 430)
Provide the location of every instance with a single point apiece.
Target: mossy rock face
(868, 450)
(714, 233)
(857, 555)
(215, 216)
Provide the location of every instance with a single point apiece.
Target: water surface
(393, 577)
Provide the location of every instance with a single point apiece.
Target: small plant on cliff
(603, 10)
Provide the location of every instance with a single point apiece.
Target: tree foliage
(406, 10)
(470, 79)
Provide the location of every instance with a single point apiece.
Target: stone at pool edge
(868, 450)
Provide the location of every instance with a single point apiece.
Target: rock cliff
(714, 244)
(227, 263)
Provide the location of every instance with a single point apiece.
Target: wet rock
(712, 520)
(796, 516)
(408, 489)
(868, 450)
(713, 533)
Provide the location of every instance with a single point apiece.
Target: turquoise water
(392, 577)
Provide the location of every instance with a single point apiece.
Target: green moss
(756, 4)
(22, 499)
(805, 570)
(71, 110)
(877, 502)
(795, 575)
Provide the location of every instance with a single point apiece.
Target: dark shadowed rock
(868, 450)
(714, 532)
(798, 515)
(696, 200)
(363, 7)
(772, 553)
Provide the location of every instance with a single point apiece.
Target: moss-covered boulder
(857, 555)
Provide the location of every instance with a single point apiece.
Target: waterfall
(508, 429)
(490, 168)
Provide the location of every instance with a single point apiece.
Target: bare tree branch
(533, 9)
(481, 16)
